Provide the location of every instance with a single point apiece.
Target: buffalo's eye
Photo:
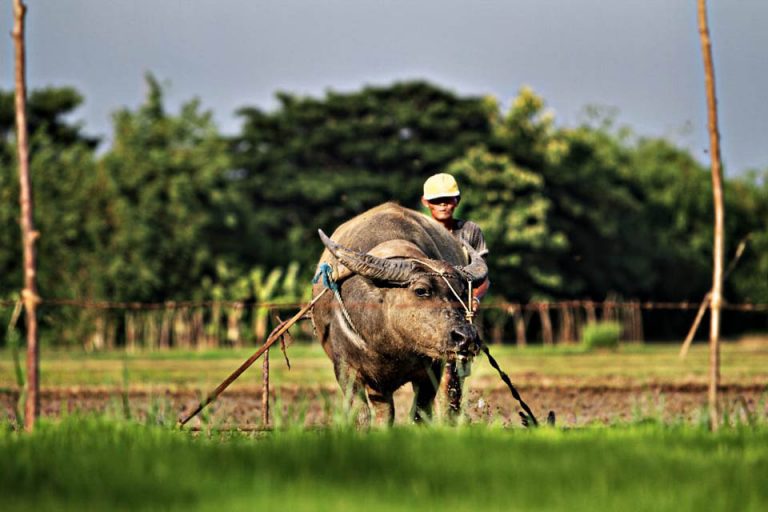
(422, 291)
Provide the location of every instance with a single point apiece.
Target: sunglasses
(443, 200)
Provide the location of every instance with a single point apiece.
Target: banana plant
(264, 288)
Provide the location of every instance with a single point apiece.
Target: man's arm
(481, 290)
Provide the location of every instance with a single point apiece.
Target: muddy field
(575, 405)
(628, 385)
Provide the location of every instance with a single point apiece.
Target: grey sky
(641, 56)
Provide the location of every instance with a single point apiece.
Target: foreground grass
(96, 464)
(180, 369)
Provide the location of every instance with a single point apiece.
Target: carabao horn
(476, 270)
(369, 266)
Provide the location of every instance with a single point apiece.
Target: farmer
(441, 197)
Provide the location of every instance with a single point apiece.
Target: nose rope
(469, 315)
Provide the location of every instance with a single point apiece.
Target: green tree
(48, 109)
(67, 189)
(175, 210)
(677, 203)
(70, 203)
(597, 203)
(317, 162)
(508, 203)
(748, 197)
(584, 209)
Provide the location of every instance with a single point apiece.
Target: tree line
(172, 209)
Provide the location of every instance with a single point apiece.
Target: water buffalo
(397, 319)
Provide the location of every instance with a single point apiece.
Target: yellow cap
(440, 185)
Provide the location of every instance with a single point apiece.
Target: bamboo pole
(706, 301)
(265, 390)
(29, 234)
(717, 196)
(276, 334)
(692, 332)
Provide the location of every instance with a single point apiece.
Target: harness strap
(325, 272)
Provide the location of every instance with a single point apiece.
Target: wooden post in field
(567, 326)
(29, 234)
(516, 311)
(589, 307)
(637, 316)
(546, 324)
(265, 390)
(717, 195)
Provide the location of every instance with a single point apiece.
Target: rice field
(631, 435)
(100, 464)
(639, 364)
(583, 387)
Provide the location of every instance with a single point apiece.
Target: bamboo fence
(202, 325)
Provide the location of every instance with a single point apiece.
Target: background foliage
(171, 209)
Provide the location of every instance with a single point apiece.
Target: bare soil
(575, 404)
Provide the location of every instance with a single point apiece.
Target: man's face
(441, 208)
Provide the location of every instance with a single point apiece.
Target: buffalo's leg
(383, 405)
(354, 394)
(357, 404)
(424, 392)
(451, 389)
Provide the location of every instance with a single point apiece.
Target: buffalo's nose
(465, 339)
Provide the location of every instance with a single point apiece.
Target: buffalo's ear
(369, 266)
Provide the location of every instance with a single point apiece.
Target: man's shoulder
(467, 225)
(472, 234)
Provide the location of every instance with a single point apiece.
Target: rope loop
(325, 272)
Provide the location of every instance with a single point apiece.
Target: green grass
(96, 464)
(172, 369)
(741, 363)
(603, 334)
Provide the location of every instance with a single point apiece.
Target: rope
(469, 314)
(528, 418)
(325, 273)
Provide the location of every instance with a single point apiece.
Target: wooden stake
(265, 391)
(566, 324)
(546, 324)
(637, 316)
(717, 195)
(589, 306)
(695, 326)
(517, 313)
(707, 298)
(29, 234)
(276, 334)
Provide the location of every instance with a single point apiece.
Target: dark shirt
(472, 234)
